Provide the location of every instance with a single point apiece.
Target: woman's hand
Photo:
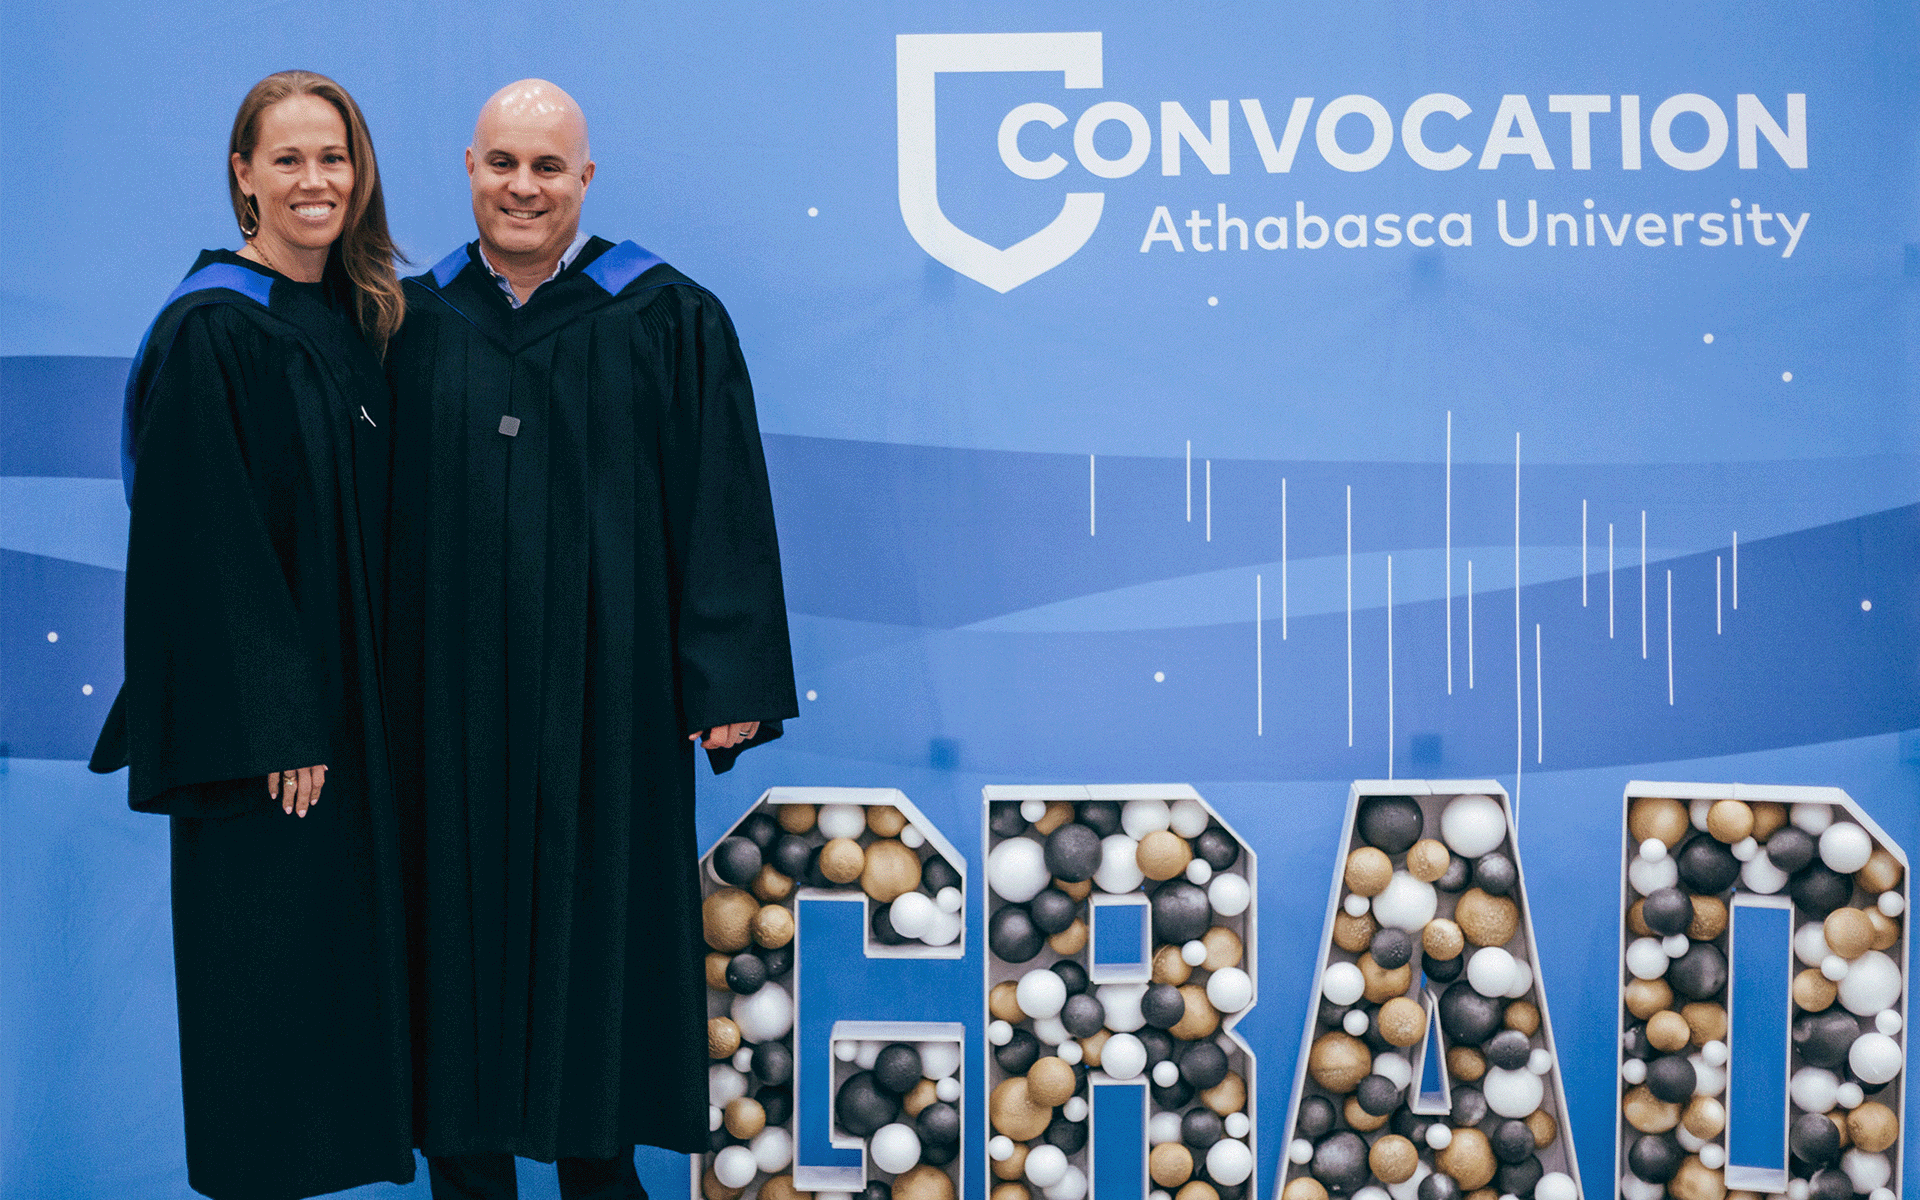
(728, 736)
(297, 791)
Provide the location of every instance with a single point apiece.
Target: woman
(256, 469)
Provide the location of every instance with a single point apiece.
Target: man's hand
(297, 791)
(722, 737)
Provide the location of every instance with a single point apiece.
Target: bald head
(530, 104)
(529, 167)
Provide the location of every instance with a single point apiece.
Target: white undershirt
(566, 260)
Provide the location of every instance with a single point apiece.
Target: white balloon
(912, 838)
(1875, 1059)
(1072, 1186)
(1867, 1171)
(948, 1090)
(1142, 817)
(1708, 1080)
(1632, 1187)
(1814, 818)
(1888, 1021)
(1746, 849)
(772, 1149)
(1032, 810)
(1374, 1192)
(1193, 953)
(1164, 1073)
(1713, 1155)
(1394, 1068)
(842, 820)
(1163, 1128)
(1634, 1071)
(946, 928)
(1697, 811)
(1891, 904)
(1872, 984)
(1490, 971)
(734, 1166)
(1522, 981)
(1356, 1022)
(1229, 1162)
(1041, 993)
(1230, 989)
(714, 1118)
(1017, 869)
(1849, 1095)
(1199, 871)
(1342, 983)
(743, 1059)
(765, 1016)
(1188, 818)
(939, 1059)
(1810, 944)
(999, 1033)
(895, 1148)
(1069, 1052)
(1119, 870)
(1555, 1185)
(1357, 905)
(1299, 1151)
(1760, 875)
(725, 1084)
(1439, 1136)
(1646, 958)
(1123, 1057)
(1409, 1188)
(1121, 1001)
(1649, 877)
(1046, 1165)
(1238, 1126)
(1675, 944)
(913, 914)
(1473, 825)
(1512, 1093)
(1539, 1061)
(1653, 849)
(1075, 1109)
(1229, 894)
(949, 899)
(1814, 1089)
(1051, 1031)
(1407, 903)
(867, 1054)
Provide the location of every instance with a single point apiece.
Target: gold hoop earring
(253, 210)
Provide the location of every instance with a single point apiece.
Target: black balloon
(1012, 935)
(1201, 1127)
(1377, 1095)
(938, 1155)
(1668, 911)
(1203, 1065)
(719, 1140)
(1438, 1187)
(1409, 1125)
(1655, 1157)
(1509, 1049)
(1073, 975)
(883, 930)
(1070, 1136)
(779, 959)
(1391, 948)
(1159, 1044)
(1217, 848)
(1340, 1162)
(1004, 820)
(1073, 852)
(898, 1067)
(862, 1106)
(1494, 874)
(790, 855)
(1814, 1139)
(1512, 1141)
(1101, 816)
(777, 1103)
(1174, 1095)
(1634, 1042)
(1467, 1016)
(1469, 1106)
(1444, 970)
(1334, 1016)
(1519, 1179)
(1791, 848)
(1163, 1005)
(1181, 912)
(1052, 910)
(760, 828)
(1830, 1184)
(938, 1124)
(879, 1189)
(1671, 1078)
(1707, 865)
(1701, 972)
(1823, 1038)
(1083, 1016)
(1019, 1054)
(815, 878)
(1456, 877)
(773, 1063)
(1818, 890)
(737, 860)
(1317, 1115)
(746, 974)
(1390, 822)
(937, 873)
(1237, 1192)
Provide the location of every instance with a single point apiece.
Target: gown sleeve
(221, 689)
(735, 662)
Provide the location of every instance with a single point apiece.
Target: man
(585, 582)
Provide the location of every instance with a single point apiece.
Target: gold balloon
(891, 871)
(726, 917)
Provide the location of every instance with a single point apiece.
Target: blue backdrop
(1126, 501)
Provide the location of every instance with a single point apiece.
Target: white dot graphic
(52, 637)
(1159, 676)
(86, 689)
(1866, 606)
(813, 212)
(1707, 338)
(1786, 377)
(812, 695)
(1213, 301)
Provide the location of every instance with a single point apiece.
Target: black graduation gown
(256, 469)
(575, 589)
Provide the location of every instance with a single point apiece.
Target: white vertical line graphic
(1469, 624)
(1209, 499)
(1189, 479)
(1283, 558)
(1736, 570)
(1539, 704)
(1389, 666)
(1259, 667)
(1716, 595)
(1519, 691)
(1090, 500)
(1449, 551)
(1349, 614)
(1609, 578)
(1643, 583)
(1669, 637)
(1583, 554)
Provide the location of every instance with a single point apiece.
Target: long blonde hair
(365, 249)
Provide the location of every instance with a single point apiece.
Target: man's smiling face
(529, 170)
